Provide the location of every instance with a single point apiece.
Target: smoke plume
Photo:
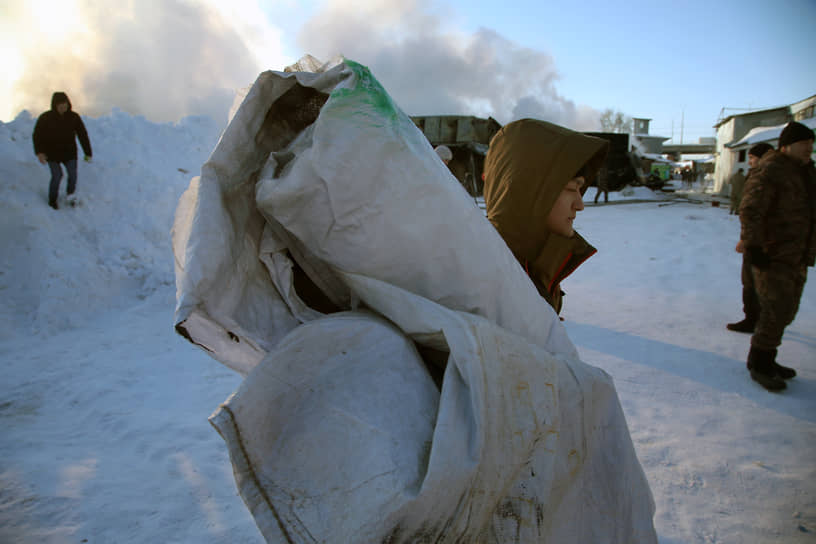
(430, 68)
(163, 59)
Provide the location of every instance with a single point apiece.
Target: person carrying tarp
(535, 176)
(338, 432)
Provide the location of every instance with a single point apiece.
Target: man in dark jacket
(750, 302)
(55, 142)
(778, 216)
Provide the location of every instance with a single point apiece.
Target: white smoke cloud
(431, 68)
(163, 59)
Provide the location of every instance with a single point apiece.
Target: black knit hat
(757, 150)
(794, 132)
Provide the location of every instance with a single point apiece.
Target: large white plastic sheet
(338, 433)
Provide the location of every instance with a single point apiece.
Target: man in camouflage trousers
(778, 216)
(750, 302)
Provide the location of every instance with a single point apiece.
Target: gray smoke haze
(431, 70)
(163, 59)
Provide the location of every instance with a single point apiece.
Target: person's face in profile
(566, 206)
(752, 160)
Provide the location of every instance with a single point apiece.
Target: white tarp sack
(338, 433)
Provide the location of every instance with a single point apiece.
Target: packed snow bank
(61, 267)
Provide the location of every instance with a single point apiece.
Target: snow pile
(61, 267)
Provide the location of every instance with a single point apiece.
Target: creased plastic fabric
(338, 433)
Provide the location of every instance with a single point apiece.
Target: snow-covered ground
(104, 408)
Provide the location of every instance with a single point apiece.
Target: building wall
(727, 160)
(804, 109)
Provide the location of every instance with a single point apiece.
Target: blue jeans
(56, 176)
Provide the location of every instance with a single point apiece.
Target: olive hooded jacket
(528, 164)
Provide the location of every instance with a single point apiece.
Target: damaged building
(622, 167)
(468, 138)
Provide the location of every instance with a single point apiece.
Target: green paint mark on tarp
(369, 93)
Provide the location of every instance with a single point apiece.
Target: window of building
(741, 155)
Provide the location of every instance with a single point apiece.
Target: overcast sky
(677, 63)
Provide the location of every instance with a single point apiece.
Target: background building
(468, 138)
(737, 133)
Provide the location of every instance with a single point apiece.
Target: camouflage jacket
(778, 209)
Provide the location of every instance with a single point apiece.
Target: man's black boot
(746, 325)
(761, 366)
(750, 305)
(784, 372)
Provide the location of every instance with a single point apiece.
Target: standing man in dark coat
(750, 302)
(778, 216)
(737, 182)
(55, 143)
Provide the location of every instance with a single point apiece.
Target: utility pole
(682, 118)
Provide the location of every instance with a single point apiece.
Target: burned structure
(622, 166)
(468, 138)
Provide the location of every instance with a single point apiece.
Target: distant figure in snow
(750, 301)
(687, 176)
(55, 143)
(736, 181)
(444, 153)
(603, 185)
(778, 216)
(535, 176)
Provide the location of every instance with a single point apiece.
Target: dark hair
(757, 150)
(582, 173)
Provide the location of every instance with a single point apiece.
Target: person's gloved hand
(87, 158)
(757, 257)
